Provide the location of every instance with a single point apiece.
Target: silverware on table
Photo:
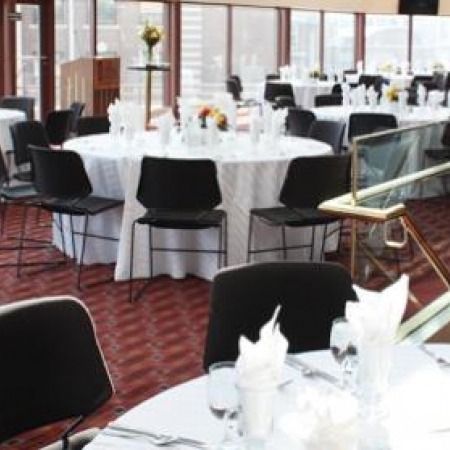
(310, 371)
(157, 439)
(442, 362)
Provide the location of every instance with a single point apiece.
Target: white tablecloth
(8, 117)
(306, 90)
(419, 397)
(249, 177)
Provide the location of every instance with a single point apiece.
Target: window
(106, 12)
(339, 42)
(305, 40)
(254, 44)
(386, 42)
(203, 50)
(121, 39)
(431, 43)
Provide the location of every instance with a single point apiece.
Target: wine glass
(343, 348)
(223, 397)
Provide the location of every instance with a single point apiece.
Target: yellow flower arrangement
(392, 93)
(219, 117)
(152, 34)
(386, 67)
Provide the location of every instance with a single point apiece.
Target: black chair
(336, 89)
(276, 89)
(309, 181)
(233, 87)
(57, 126)
(298, 122)
(55, 371)
(237, 78)
(349, 72)
(64, 188)
(92, 125)
(182, 195)
(23, 134)
(272, 76)
(327, 100)
(329, 131)
(77, 109)
(244, 298)
(371, 80)
(367, 123)
(25, 104)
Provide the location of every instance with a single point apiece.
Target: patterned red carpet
(158, 342)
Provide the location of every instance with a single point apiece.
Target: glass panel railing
(397, 209)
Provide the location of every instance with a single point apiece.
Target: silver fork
(157, 439)
(442, 362)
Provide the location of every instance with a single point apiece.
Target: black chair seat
(65, 188)
(179, 220)
(26, 177)
(21, 192)
(289, 217)
(438, 153)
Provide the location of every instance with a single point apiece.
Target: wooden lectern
(93, 81)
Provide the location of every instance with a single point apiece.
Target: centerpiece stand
(149, 69)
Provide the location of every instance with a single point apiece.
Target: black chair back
(77, 109)
(237, 78)
(298, 122)
(92, 125)
(25, 104)
(244, 298)
(273, 90)
(367, 123)
(371, 80)
(328, 100)
(180, 184)
(57, 125)
(24, 134)
(55, 368)
(233, 89)
(445, 139)
(272, 76)
(310, 181)
(284, 101)
(59, 174)
(329, 131)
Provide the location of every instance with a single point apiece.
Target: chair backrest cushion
(87, 125)
(243, 298)
(59, 173)
(53, 366)
(310, 181)
(328, 131)
(182, 184)
(57, 125)
(25, 104)
(298, 121)
(367, 123)
(23, 134)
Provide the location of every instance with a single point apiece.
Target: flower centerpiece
(386, 67)
(151, 35)
(219, 117)
(392, 93)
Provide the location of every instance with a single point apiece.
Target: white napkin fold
(345, 94)
(421, 94)
(115, 117)
(260, 364)
(278, 122)
(322, 420)
(377, 315)
(372, 96)
(435, 98)
(402, 100)
(165, 124)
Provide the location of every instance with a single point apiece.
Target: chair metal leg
(322, 249)
(130, 284)
(150, 244)
(219, 250)
(313, 239)
(21, 239)
(83, 245)
(225, 241)
(249, 237)
(61, 231)
(283, 241)
(74, 249)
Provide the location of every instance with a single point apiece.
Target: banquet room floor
(158, 342)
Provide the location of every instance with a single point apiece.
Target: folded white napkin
(435, 98)
(260, 364)
(278, 122)
(115, 117)
(421, 94)
(402, 100)
(372, 96)
(255, 127)
(345, 94)
(322, 420)
(165, 124)
(377, 315)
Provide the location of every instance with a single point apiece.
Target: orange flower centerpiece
(151, 35)
(219, 117)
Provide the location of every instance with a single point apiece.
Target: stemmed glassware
(223, 398)
(343, 348)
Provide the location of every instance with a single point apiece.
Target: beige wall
(368, 6)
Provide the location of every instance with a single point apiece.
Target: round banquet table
(305, 91)
(8, 117)
(418, 396)
(412, 116)
(249, 176)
